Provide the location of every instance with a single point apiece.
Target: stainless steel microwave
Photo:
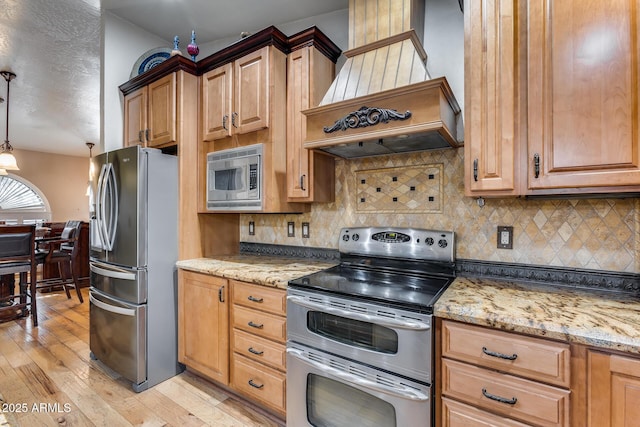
(234, 179)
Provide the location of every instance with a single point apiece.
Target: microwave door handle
(111, 308)
(401, 392)
(383, 321)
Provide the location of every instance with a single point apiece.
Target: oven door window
(355, 333)
(332, 403)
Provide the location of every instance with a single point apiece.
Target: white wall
(123, 43)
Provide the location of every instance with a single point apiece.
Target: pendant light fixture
(3, 172)
(7, 160)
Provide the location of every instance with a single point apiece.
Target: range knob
(429, 241)
(355, 237)
(442, 243)
(345, 237)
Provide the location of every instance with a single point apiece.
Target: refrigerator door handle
(100, 199)
(112, 273)
(110, 308)
(110, 189)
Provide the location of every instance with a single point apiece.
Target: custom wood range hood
(383, 100)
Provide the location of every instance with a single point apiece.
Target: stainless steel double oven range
(360, 335)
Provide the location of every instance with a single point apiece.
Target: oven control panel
(407, 243)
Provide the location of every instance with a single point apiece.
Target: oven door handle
(378, 320)
(403, 393)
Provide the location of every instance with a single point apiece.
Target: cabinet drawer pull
(256, 352)
(146, 135)
(511, 401)
(225, 122)
(234, 116)
(254, 299)
(499, 355)
(475, 170)
(536, 165)
(252, 384)
(302, 182)
(256, 325)
(140, 136)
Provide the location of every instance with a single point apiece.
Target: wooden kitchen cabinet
(235, 97)
(491, 145)
(203, 324)
(510, 378)
(150, 114)
(258, 336)
(552, 97)
(613, 393)
(310, 71)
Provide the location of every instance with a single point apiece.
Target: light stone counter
(603, 320)
(261, 270)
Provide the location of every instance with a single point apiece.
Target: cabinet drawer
(534, 358)
(262, 324)
(257, 381)
(456, 414)
(259, 349)
(260, 297)
(529, 401)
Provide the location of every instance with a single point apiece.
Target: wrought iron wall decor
(366, 116)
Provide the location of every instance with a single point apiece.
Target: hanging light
(7, 160)
(89, 184)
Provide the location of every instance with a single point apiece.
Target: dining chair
(63, 252)
(17, 256)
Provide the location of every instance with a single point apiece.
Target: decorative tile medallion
(409, 189)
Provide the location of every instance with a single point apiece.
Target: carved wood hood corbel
(383, 100)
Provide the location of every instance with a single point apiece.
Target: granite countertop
(258, 269)
(593, 318)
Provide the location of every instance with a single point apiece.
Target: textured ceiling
(54, 48)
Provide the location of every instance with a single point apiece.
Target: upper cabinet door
(217, 89)
(135, 117)
(162, 111)
(491, 142)
(583, 111)
(251, 100)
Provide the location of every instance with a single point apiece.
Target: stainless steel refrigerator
(133, 252)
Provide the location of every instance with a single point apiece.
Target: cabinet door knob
(475, 169)
(536, 165)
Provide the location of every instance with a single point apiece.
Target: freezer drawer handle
(111, 308)
(111, 273)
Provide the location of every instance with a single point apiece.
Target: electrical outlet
(291, 229)
(505, 237)
(305, 230)
(252, 228)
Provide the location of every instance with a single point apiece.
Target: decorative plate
(150, 59)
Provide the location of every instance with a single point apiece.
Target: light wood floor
(48, 379)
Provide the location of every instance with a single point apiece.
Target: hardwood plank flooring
(48, 379)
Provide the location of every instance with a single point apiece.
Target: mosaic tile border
(559, 276)
(320, 254)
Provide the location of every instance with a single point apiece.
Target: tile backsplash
(599, 234)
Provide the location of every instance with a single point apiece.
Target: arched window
(21, 202)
